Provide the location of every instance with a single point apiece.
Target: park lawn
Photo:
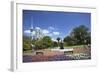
(76, 46)
(27, 51)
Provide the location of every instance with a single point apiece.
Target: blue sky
(54, 24)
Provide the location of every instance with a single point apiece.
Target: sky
(54, 24)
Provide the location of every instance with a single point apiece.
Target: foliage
(47, 41)
(26, 43)
(43, 43)
(79, 36)
(69, 41)
(55, 44)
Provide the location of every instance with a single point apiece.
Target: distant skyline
(54, 24)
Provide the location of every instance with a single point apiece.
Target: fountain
(61, 45)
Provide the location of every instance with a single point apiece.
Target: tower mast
(31, 31)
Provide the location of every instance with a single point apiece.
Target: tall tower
(31, 33)
(31, 29)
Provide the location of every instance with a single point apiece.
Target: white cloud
(50, 34)
(51, 28)
(56, 33)
(37, 28)
(45, 31)
(33, 33)
(54, 40)
(28, 32)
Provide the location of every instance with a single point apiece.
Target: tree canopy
(79, 36)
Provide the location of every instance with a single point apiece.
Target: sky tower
(31, 34)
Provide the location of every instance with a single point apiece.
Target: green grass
(65, 47)
(68, 47)
(27, 51)
(76, 46)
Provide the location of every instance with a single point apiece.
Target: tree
(69, 40)
(55, 44)
(88, 38)
(43, 43)
(79, 36)
(39, 45)
(47, 41)
(26, 43)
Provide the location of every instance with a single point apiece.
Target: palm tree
(58, 39)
